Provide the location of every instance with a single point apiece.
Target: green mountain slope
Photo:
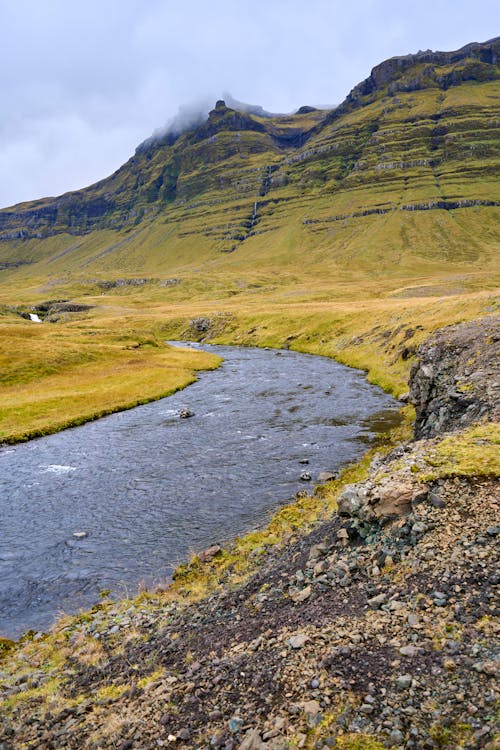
(399, 180)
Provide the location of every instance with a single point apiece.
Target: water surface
(148, 488)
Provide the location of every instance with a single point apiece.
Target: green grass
(473, 452)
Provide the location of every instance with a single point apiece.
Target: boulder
(349, 502)
(379, 503)
(326, 476)
(208, 554)
(388, 501)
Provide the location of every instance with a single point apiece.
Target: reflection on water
(149, 488)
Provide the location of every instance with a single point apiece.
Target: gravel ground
(393, 636)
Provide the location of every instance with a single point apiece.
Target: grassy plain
(114, 355)
(56, 376)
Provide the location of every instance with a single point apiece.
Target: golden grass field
(114, 355)
(59, 376)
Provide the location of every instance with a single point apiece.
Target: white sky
(83, 82)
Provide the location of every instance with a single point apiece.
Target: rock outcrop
(475, 61)
(456, 380)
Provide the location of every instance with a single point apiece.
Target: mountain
(403, 172)
(363, 616)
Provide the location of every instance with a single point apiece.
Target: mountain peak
(477, 61)
(242, 151)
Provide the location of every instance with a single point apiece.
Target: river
(144, 488)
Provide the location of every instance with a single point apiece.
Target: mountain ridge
(418, 135)
(388, 73)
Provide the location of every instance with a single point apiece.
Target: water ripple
(148, 488)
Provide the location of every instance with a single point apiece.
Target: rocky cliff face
(456, 380)
(474, 62)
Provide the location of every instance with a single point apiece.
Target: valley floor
(100, 354)
(364, 616)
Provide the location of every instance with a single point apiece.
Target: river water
(148, 488)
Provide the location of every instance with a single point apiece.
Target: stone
(311, 708)
(298, 641)
(326, 476)
(217, 740)
(184, 734)
(410, 651)
(436, 501)
(419, 528)
(80, 534)
(393, 499)
(185, 413)
(377, 601)
(413, 621)
(318, 550)
(349, 501)
(304, 461)
(301, 596)
(490, 668)
(305, 476)
(404, 681)
(235, 725)
(320, 568)
(396, 737)
(252, 741)
(208, 554)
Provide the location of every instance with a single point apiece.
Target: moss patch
(473, 452)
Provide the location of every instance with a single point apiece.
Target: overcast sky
(83, 82)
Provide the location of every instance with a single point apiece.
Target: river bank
(143, 488)
(112, 356)
(58, 376)
(363, 617)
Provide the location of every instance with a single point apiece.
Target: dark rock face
(456, 380)
(476, 61)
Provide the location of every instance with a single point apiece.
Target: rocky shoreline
(374, 626)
